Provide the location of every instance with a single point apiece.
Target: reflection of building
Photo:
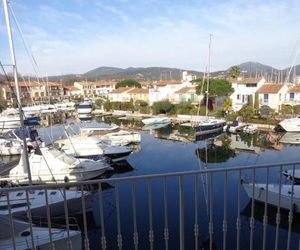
(240, 145)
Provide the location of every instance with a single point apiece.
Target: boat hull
(209, 129)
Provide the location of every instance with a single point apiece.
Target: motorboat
(98, 128)
(65, 106)
(249, 129)
(17, 234)
(11, 142)
(290, 173)
(260, 192)
(85, 108)
(291, 124)
(122, 138)
(290, 138)
(56, 198)
(48, 165)
(209, 126)
(39, 109)
(9, 118)
(156, 120)
(234, 127)
(92, 147)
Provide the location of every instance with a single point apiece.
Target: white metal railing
(218, 182)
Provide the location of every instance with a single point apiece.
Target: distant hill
(248, 69)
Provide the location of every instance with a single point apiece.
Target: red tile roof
(71, 88)
(270, 88)
(184, 90)
(120, 90)
(295, 89)
(248, 81)
(164, 83)
(139, 91)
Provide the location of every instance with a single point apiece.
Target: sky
(75, 36)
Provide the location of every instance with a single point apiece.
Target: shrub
(246, 112)
(164, 107)
(286, 109)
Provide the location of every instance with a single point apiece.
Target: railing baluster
(69, 242)
(252, 221)
(52, 246)
(166, 229)
(196, 225)
(225, 211)
(278, 209)
(151, 233)
(291, 210)
(101, 210)
(86, 239)
(135, 231)
(181, 212)
(119, 236)
(211, 206)
(11, 221)
(265, 218)
(30, 217)
(238, 218)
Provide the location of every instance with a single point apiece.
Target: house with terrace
(272, 95)
(120, 95)
(293, 95)
(244, 90)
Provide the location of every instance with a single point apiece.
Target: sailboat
(37, 195)
(209, 125)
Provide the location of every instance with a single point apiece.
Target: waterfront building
(139, 94)
(72, 91)
(102, 88)
(243, 89)
(293, 95)
(272, 95)
(185, 94)
(120, 95)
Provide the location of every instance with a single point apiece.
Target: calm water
(158, 154)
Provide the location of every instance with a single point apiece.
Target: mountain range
(249, 69)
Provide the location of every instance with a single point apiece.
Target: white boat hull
(291, 125)
(273, 195)
(156, 120)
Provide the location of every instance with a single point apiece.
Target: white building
(164, 90)
(293, 95)
(272, 95)
(120, 95)
(103, 88)
(186, 77)
(243, 89)
(185, 94)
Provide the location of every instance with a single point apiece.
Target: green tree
(217, 87)
(128, 83)
(164, 107)
(185, 108)
(99, 102)
(234, 72)
(227, 105)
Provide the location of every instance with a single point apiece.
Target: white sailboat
(209, 125)
(39, 239)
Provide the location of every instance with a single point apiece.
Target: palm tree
(235, 71)
(227, 105)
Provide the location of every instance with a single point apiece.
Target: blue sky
(74, 36)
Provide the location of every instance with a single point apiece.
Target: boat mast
(208, 73)
(15, 73)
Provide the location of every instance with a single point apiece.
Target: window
(20, 194)
(238, 97)
(292, 96)
(40, 193)
(53, 193)
(266, 98)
